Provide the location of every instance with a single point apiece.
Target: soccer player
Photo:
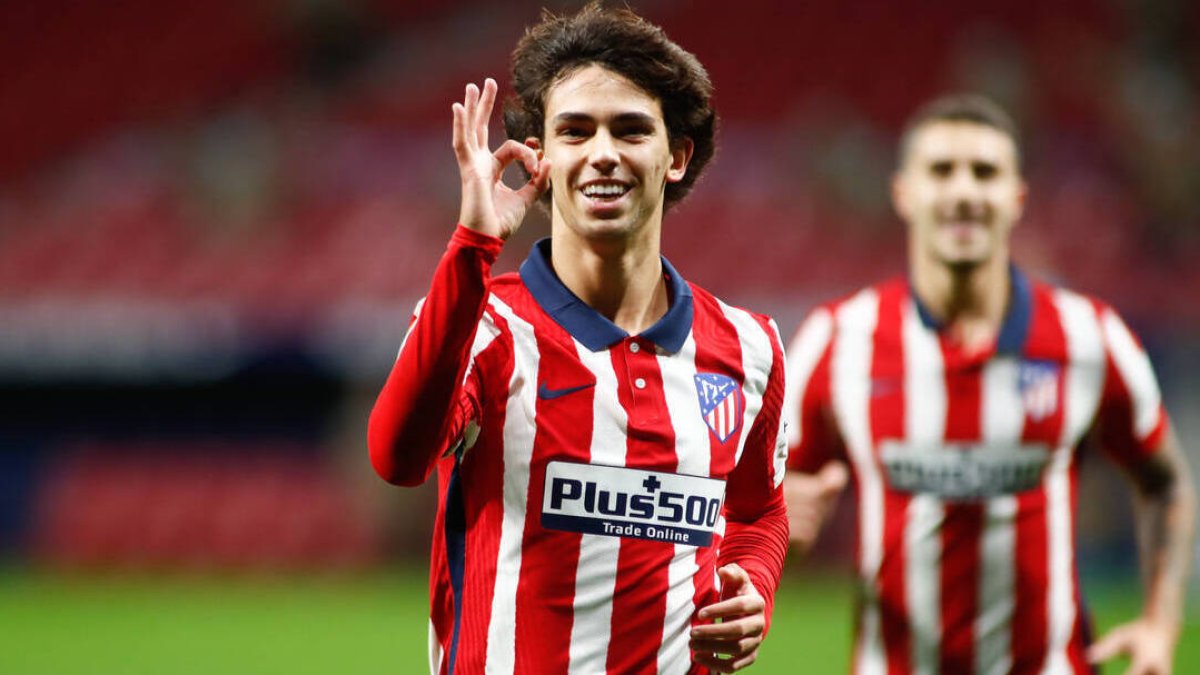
(607, 436)
(961, 398)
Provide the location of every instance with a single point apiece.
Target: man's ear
(681, 154)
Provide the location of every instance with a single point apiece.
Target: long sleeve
(756, 529)
(423, 408)
(813, 437)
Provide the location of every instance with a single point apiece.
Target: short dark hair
(626, 44)
(971, 108)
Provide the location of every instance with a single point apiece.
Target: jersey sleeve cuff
(465, 237)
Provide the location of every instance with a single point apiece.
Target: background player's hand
(810, 498)
(732, 644)
(488, 205)
(1150, 647)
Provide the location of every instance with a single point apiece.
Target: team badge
(1038, 382)
(721, 404)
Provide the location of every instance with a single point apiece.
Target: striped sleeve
(807, 410)
(424, 406)
(756, 534)
(1131, 419)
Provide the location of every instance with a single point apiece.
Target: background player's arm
(816, 475)
(422, 409)
(1165, 511)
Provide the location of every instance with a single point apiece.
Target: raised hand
(733, 644)
(488, 205)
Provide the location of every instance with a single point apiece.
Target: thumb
(733, 580)
(1112, 644)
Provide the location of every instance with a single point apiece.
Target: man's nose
(602, 154)
(963, 185)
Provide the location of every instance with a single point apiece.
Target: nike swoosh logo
(546, 393)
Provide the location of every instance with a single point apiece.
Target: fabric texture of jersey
(590, 482)
(965, 467)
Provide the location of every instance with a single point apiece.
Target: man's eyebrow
(625, 117)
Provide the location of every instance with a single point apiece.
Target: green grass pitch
(146, 625)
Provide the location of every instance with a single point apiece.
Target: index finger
(747, 626)
(739, 605)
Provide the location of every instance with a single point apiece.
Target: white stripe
(518, 449)
(416, 314)
(924, 426)
(1002, 423)
(1081, 396)
(693, 454)
(435, 651)
(1134, 367)
(850, 371)
(596, 576)
(993, 625)
(757, 359)
(804, 353)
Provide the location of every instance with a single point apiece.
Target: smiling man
(607, 436)
(962, 398)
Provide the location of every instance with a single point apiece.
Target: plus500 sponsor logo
(617, 501)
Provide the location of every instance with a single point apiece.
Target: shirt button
(639, 383)
(634, 347)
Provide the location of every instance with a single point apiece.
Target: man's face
(610, 155)
(961, 193)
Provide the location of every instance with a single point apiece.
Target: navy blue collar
(1016, 319)
(587, 325)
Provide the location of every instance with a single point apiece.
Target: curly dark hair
(627, 44)
(965, 107)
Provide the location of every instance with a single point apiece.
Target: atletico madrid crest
(1038, 381)
(721, 404)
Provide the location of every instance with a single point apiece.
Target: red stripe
(1046, 342)
(887, 406)
(962, 525)
(961, 530)
(639, 602)
(546, 589)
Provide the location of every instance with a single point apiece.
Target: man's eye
(984, 171)
(941, 169)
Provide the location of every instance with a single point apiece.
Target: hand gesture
(732, 644)
(1149, 646)
(810, 498)
(488, 205)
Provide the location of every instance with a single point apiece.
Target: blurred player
(960, 397)
(607, 435)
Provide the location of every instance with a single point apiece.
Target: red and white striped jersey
(590, 481)
(965, 466)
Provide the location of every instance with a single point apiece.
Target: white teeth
(603, 190)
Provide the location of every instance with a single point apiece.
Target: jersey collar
(587, 325)
(1016, 319)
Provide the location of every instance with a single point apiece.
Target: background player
(590, 415)
(961, 398)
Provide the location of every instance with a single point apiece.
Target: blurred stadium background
(215, 218)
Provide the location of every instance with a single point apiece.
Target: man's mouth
(604, 190)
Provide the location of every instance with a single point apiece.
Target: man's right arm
(422, 409)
